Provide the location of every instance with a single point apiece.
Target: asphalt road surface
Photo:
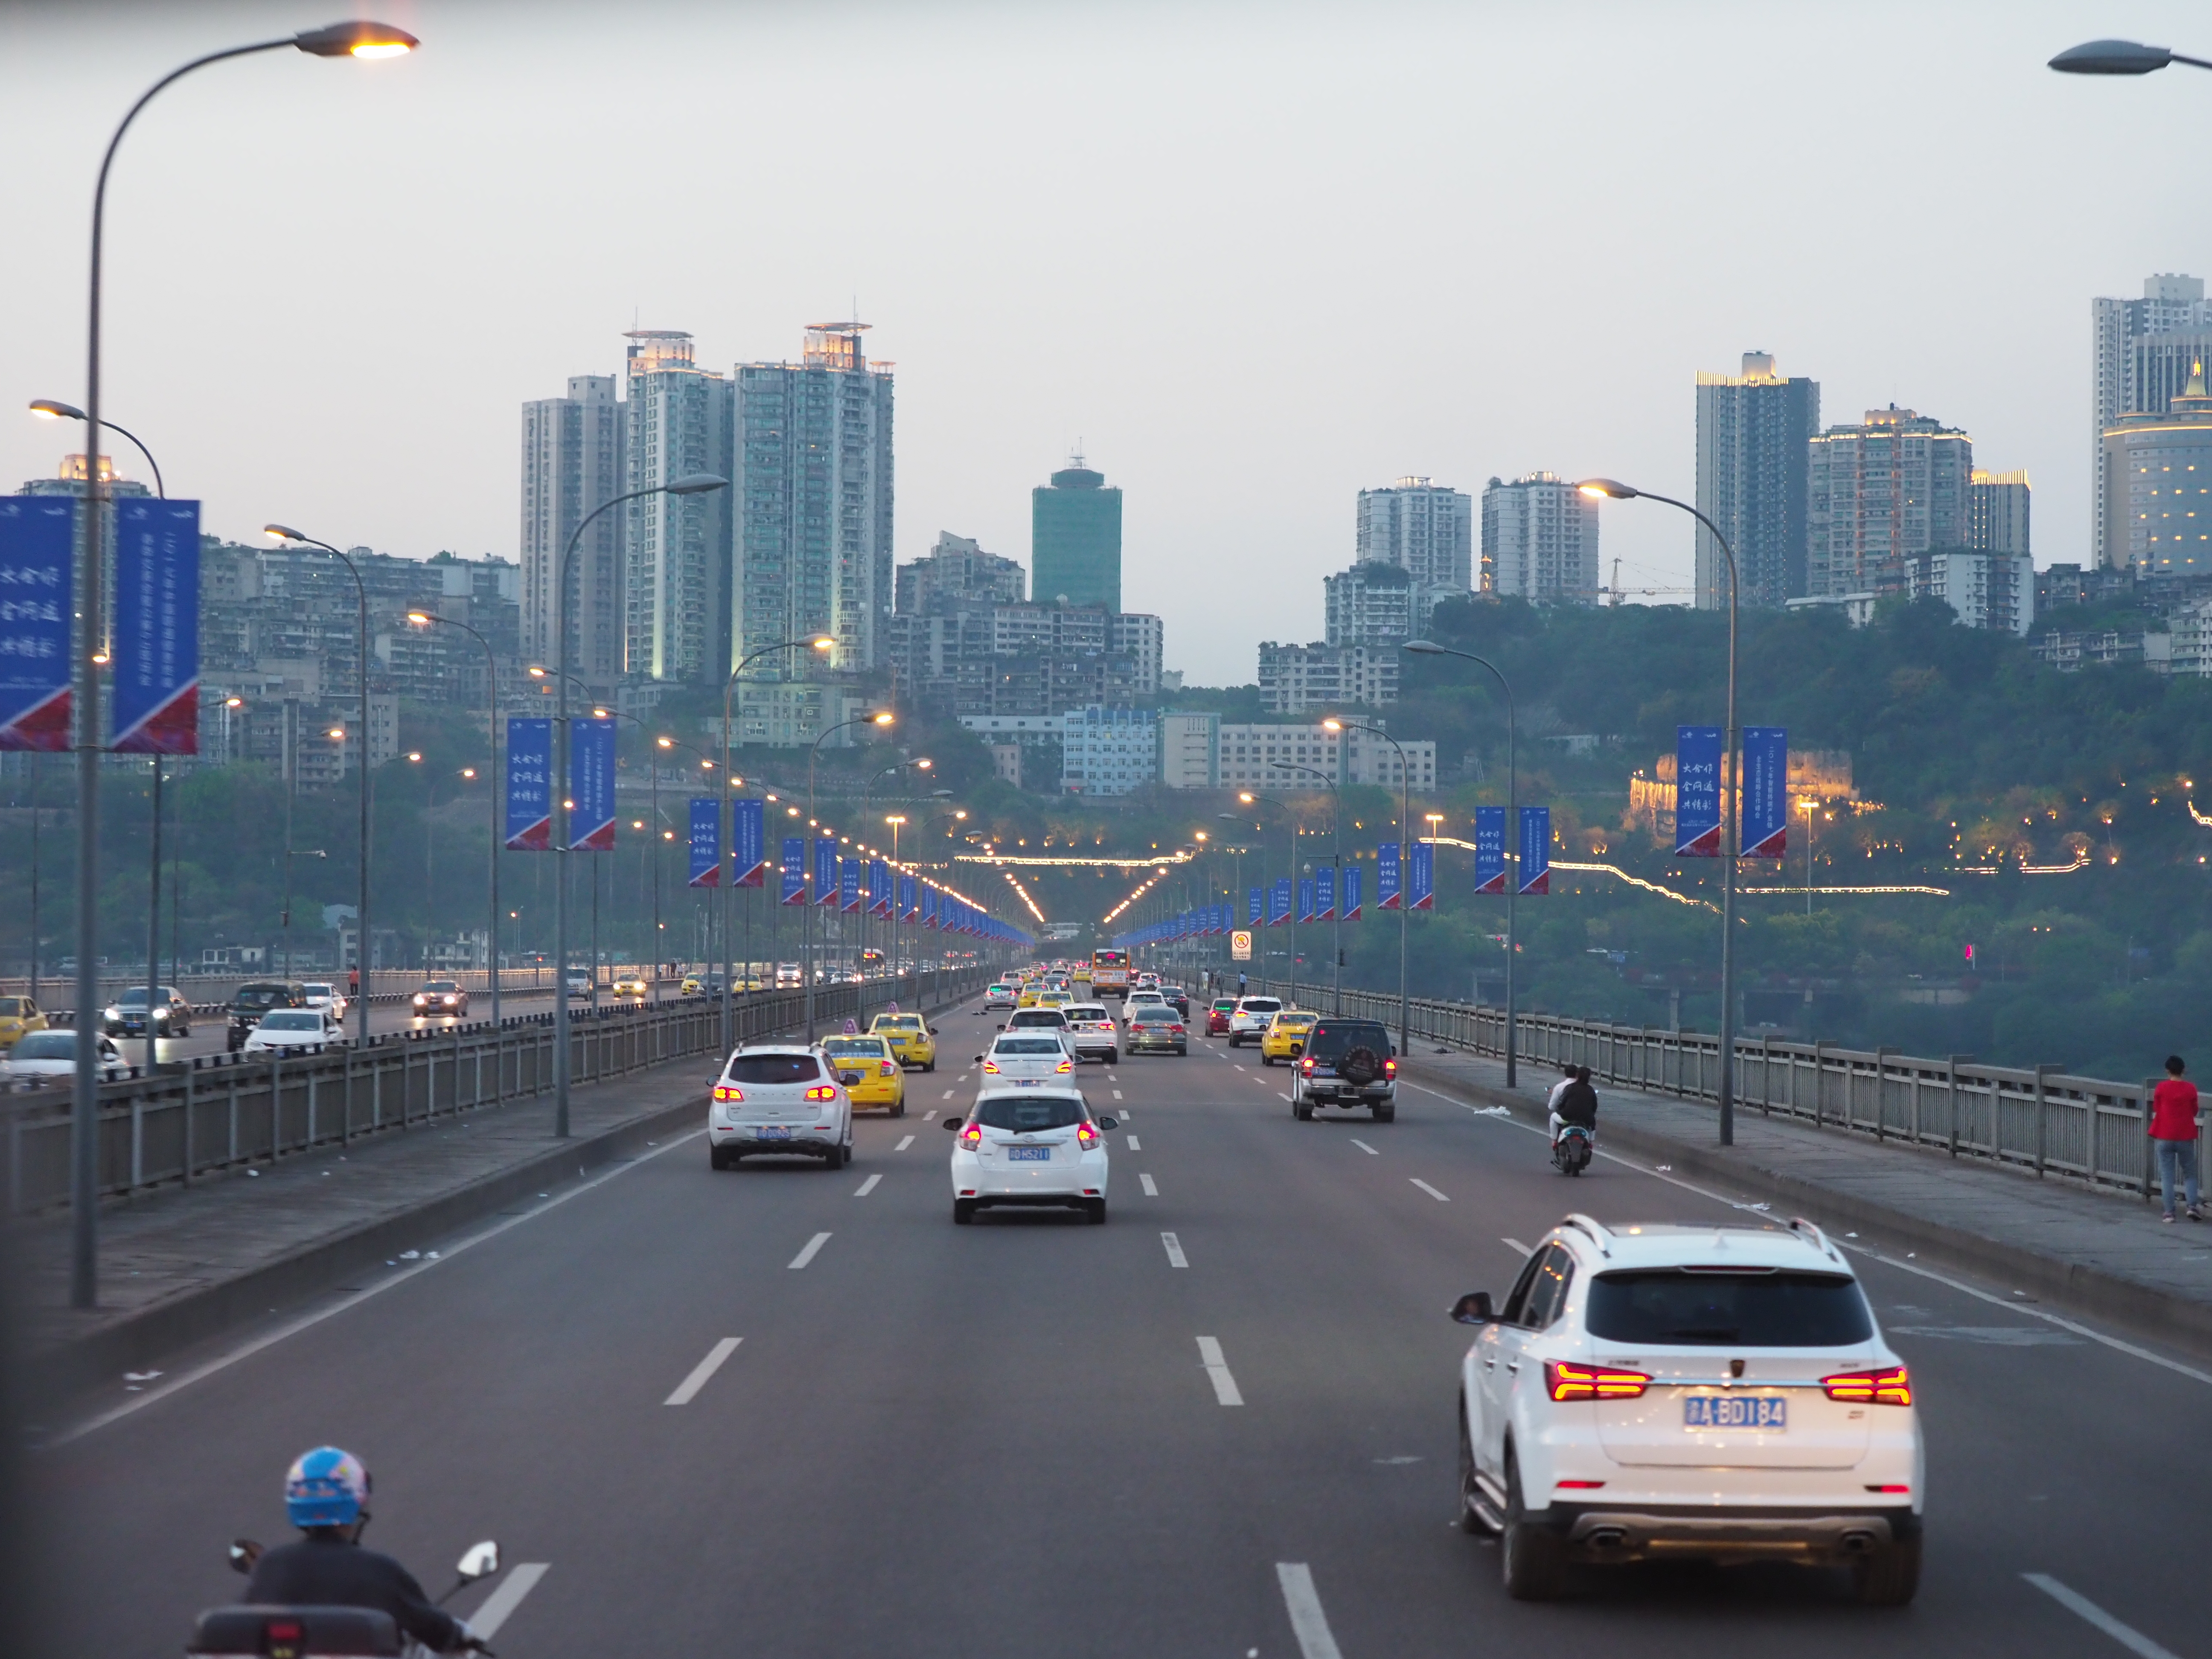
(787, 1411)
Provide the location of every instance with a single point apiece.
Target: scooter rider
(326, 1496)
(1574, 1102)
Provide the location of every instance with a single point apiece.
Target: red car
(1217, 1017)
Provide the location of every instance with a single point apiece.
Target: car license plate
(1029, 1154)
(1736, 1411)
(773, 1132)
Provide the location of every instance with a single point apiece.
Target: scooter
(308, 1632)
(1573, 1147)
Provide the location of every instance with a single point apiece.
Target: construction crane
(1613, 593)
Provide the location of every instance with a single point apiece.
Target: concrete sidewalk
(2097, 1252)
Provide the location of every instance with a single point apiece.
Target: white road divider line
(867, 1185)
(1308, 1622)
(1145, 1181)
(1134, 1146)
(1367, 1149)
(1234, 1063)
(1513, 1244)
(1216, 1371)
(813, 1245)
(1117, 1094)
(1429, 1190)
(706, 1368)
(1176, 1258)
(947, 1094)
(499, 1607)
(928, 1115)
(1280, 1095)
(2083, 1608)
(904, 1144)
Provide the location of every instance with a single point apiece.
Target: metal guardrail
(2040, 1118)
(222, 1111)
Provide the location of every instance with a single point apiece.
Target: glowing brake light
(991, 1067)
(1565, 1380)
(1176, 1030)
(1085, 1136)
(821, 1091)
(725, 1091)
(1307, 1063)
(972, 1136)
(1891, 1386)
(1389, 1068)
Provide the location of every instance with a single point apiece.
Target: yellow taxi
(910, 1038)
(1051, 997)
(632, 985)
(1286, 1035)
(19, 1018)
(692, 987)
(1030, 992)
(869, 1070)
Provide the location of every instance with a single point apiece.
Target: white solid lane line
(903, 1144)
(2081, 1605)
(1145, 1181)
(1513, 1244)
(1216, 1371)
(1429, 1190)
(705, 1368)
(1308, 1622)
(1367, 1149)
(1134, 1146)
(867, 1185)
(499, 1607)
(1176, 1258)
(807, 1254)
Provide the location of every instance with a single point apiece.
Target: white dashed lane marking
(1134, 1146)
(1145, 1181)
(1117, 1094)
(700, 1372)
(1308, 1622)
(1216, 1371)
(499, 1607)
(867, 1185)
(928, 1115)
(1367, 1149)
(1174, 1245)
(1429, 1190)
(1513, 1244)
(904, 1144)
(2083, 1608)
(813, 1245)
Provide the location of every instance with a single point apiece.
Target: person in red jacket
(2174, 1127)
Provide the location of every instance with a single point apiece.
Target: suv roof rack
(1600, 1234)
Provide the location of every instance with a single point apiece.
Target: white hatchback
(1091, 1031)
(1033, 1148)
(294, 1028)
(1000, 995)
(783, 1099)
(1027, 1060)
(1248, 1021)
(1670, 1393)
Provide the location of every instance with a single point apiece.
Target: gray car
(1157, 1029)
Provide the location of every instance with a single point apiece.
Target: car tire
(718, 1158)
(834, 1159)
(1384, 1114)
(1266, 1059)
(1113, 1056)
(1890, 1576)
(963, 1211)
(898, 1109)
(1302, 1110)
(929, 1066)
(1095, 1211)
(1531, 1561)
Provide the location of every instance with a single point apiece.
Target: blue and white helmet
(325, 1487)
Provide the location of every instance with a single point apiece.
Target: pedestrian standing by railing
(2174, 1127)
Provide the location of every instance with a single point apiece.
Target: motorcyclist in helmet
(1574, 1102)
(326, 1496)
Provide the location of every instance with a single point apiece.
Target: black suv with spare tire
(1349, 1063)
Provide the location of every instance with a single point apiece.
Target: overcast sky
(1254, 257)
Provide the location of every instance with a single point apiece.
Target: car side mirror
(953, 1124)
(242, 1554)
(1473, 1308)
(480, 1562)
(979, 1060)
(1110, 1123)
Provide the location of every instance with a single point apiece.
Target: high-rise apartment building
(1997, 511)
(1989, 590)
(955, 572)
(1880, 494)
(1752, 433)
(813, 489)
(1540, 540)
(2158, 485)
(1075, 540)
(675, 576)
(2142, 349)
(572, 461)
(1371, 604)
(1426, 529)
(1296, 678)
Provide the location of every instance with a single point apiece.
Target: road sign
(1240, 945)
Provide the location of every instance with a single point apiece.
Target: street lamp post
(705, 765)
(1266, 897)
(424, 619)
(1430, 648)
(693, 483)
(1405, 854)
(881, 717)
(289, 854)
(1731, 798)
(1335, 880)
(957, 815)
(2119, 57)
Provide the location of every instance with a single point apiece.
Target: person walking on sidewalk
(2173, 1127)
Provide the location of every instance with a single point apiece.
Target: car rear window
(1027, 1045)
(1341, 1036)
(1024, 1112)
(293, 1019)
(1038, 1019)
(762, 1069)
(1697, 1308)
(875, 1047)
(260, 996)
(1153, 1017)
(899, 1022)
(1261, 1005)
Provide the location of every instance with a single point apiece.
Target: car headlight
(114, 1013)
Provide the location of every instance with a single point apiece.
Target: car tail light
(1085, 1136)
(821, 1091)
(991, 1067)
(1890, 1386)
(884, 1067)
(1308, 1063)
(1565, 1380)
(972, 1136)
(1578, 1485)
(1175, 1031)
(1389, 1068)
(726, 1091)
(1065, 1066)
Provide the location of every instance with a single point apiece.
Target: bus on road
(1110, 971)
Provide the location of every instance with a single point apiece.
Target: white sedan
(1027, 1060)
(323, 994)
(294, 1028)
(41, 1058)
(1031, 1148)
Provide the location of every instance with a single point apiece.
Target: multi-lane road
(782, 1411)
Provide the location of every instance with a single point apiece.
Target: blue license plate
(1029, 1154)
(1736, 1411)
(772, 1132)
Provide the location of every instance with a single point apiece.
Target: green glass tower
(1075, 540)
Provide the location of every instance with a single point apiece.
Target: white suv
(1248, 1021)
(782, 1099)
(1659, 1393)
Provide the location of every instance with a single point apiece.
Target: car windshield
(1036, 1045)
(260, 996)
(10, 1007)
(440, 985)
(759, 1069)
(293, 1019)
(874, 1048)
(1341, 1036)
(1021, 1113)
(1261, 1005)
(1703, 1307)
(135, 996)
(47, 1045)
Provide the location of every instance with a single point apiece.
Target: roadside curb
(2128, 1305)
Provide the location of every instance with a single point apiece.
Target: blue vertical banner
(929, 907)
(849, 884)
(706, 841)
(36, 587)
(1305, 900)
(156, 650)
(909, 898)
(1423, 891)
(825, 870)
(1535, 849)
(879, 889)
(592, 786)
(794, 870)
(529, 786)
(1387, 893)
(1255, 907)
(1281, 912)
(1352, 892)
(1765, 763)
(749, 842)
(1697, 791)
(1325, 893)
(1489, 849)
